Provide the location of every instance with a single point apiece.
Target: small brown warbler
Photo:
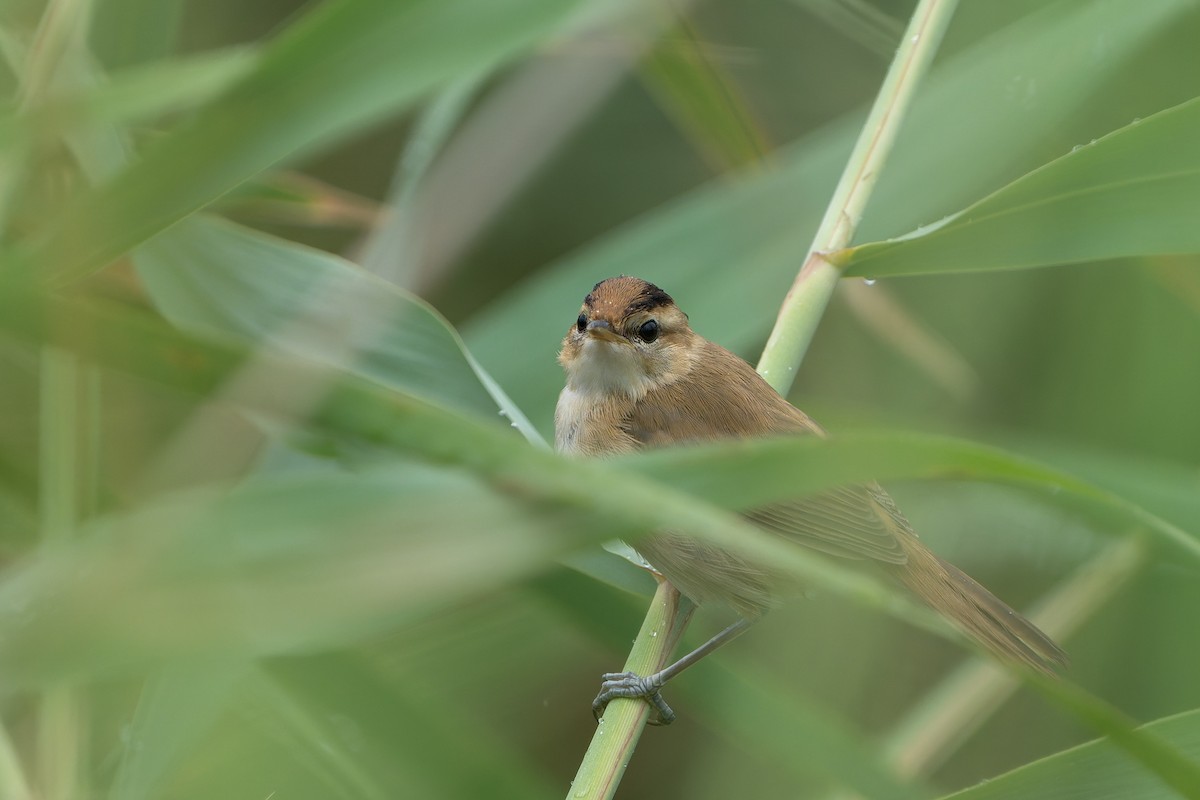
(638, 376)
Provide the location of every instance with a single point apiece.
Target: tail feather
(978, 612)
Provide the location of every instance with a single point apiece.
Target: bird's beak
(602, 330)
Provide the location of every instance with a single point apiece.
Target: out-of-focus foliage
(267, 529)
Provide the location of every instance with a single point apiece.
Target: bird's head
(629, 338)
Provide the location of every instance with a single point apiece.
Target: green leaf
(177, 707)
(281, 563)
(1098, 770)
(132, 95)
(747, 705)
(314, 745)
(214, 277)
(135, 31)
(1023, 95)
(1130, 193)
(341, 67)
(1166, 488)
(750, 473)
(392, 249)
(705, 103)
(366, 725)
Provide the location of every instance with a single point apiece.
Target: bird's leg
(629, 684)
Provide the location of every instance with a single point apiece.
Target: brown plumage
(638, 376)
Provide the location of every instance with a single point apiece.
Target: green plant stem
(944, 719)
(624, 720)
(13, 783)
(60, 429)
(62, 26)
(814, 285)
(947, 716)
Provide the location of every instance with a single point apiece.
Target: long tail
(977, 611)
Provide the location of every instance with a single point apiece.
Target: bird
(639, 377)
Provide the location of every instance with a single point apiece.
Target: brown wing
(852, 522)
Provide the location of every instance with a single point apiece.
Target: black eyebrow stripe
(651, 299)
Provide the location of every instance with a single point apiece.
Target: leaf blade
(1127, 194)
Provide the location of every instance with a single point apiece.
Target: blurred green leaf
(945, 719)
(134, 31)
(324, 749)
(1167, 488)
(293, 198)
(410, 744)
(1097, 770)
(132, 95)
(750, 709)
(213, 277)
(1130, 193)
(177, 708)
(341, 67)
(705, 103)
(747, 474)
(282, 563)
(392, 248)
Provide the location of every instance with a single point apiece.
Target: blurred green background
(214, 588)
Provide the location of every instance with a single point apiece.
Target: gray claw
(632, 685)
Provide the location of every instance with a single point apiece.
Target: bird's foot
(632, 685)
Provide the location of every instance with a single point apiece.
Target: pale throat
(606, 368)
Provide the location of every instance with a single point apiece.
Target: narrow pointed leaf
(1097, 770)
(1131, 193)
(341, 67)
(217, 278)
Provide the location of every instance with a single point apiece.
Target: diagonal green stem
(624, 720)
(946, 717)
(810, 293)
(60, 457)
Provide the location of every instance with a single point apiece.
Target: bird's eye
(581, 323)
(648, 332)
